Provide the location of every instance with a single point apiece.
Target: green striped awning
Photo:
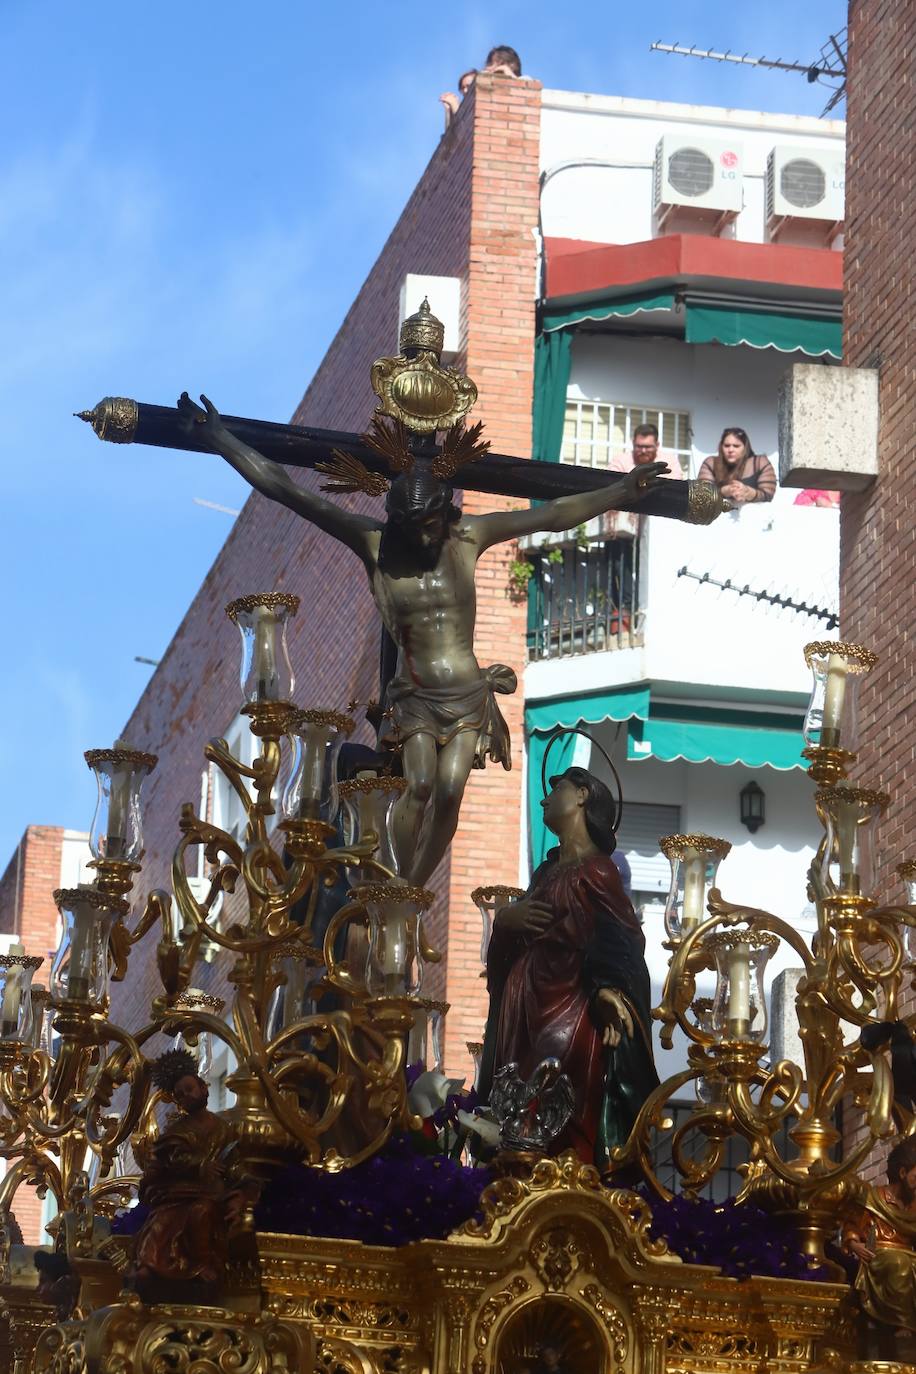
(614, 703)
(607, 309)
(706, 734)
(810, 334)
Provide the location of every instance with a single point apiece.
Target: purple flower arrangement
(397, 1196)
(405, 1193)
(738, 1238)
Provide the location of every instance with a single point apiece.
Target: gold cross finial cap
(422, 331)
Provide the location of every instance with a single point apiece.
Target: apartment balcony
(583, 599)
(726, 607)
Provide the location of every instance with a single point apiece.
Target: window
(226, 809)
(222, 1066)
(599, 434)
(641, 827)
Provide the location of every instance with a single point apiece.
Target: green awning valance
(553, 361)
(764, 329)
(704, 734)
(606, 310)
(614, 703)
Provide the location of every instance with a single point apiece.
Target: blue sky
(190, 196)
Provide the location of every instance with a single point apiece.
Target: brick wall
(500, 358)
(472, 216)
(27, 910)
(878, 540)
(26, 905)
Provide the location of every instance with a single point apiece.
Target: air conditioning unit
(804, 183)
(698, 174)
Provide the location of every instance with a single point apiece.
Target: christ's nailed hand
(643, 478)
(197, 419)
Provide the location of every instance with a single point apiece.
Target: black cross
(300, 446)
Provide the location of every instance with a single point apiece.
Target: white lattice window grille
(599, 434)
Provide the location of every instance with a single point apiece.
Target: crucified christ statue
(420, 563)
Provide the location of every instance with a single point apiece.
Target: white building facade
(689, 256)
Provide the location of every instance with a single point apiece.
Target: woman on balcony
(740, 474)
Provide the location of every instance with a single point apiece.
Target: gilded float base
(554, 1258)
(149, 1340)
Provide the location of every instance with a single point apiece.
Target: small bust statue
(194, 1190)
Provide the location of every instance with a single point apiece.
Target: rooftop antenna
(829, 68)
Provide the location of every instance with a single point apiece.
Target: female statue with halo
(566, 970)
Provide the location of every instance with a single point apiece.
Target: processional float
(324, 947)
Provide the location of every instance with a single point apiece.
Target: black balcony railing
(584, 600)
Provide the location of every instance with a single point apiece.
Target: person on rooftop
(503, 61)
(452, 101)
(740, 474)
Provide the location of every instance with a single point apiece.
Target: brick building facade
(878, 542)
(878, 583)
(470, 217)
(47, 857)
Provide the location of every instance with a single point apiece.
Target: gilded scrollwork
(614, 1321)
(557, 1256)
(494, 1305)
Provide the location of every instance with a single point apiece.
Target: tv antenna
(830, 68)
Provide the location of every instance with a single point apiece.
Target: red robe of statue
(541, 995)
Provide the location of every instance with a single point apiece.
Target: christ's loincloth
(444, 712)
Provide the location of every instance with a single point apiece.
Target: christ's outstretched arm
(273, 481)
(566, 512)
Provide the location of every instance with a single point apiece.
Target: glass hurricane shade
(906, 871)
(315, 739)
(79, 972)
(489, 900)
(116, 833)
(694, 861)
(739, 1007)
(266, 673)
(424, 1040)
(17, 970)
(851, 815)
(298, 992)
(198, 1041)
(394, 966)
(368, 807)
(831, 720)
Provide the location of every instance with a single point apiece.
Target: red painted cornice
(578, 268)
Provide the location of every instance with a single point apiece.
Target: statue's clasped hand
(527, 917)
(612, 1012)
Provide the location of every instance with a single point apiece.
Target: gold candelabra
(853, 975)
(321, 1009)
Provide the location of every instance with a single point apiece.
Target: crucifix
(420, 560)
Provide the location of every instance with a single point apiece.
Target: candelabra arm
(307, 1131)
(178, 964)
(428, 953)
(35, 1168)
(15, 1094)
(338, 974)
(218, 752)
(863, 974)
(758, 919)
(636, 1148)
(787, 1080)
